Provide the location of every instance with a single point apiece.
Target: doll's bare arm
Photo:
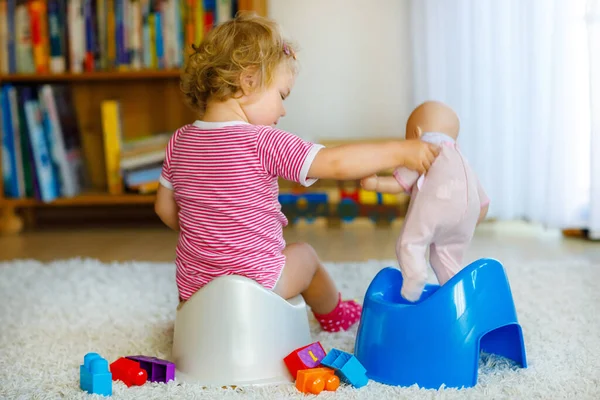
(484, 201)
(482, 213)
(381, 184)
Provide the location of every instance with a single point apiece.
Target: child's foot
(343, 316)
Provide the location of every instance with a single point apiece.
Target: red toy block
(304, 358)
(128, 371)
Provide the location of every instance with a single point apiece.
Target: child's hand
(419, 155)
(369, 183)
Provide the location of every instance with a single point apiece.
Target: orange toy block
(315, 380)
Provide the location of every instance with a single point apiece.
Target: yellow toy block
(366, 197)
(389, 199)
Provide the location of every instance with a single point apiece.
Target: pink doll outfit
(442, 215)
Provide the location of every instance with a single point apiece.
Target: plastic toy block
(347, 366)
(129, 372)
(158, 370)
(316, 380)
(389, 199)
(94, 376)
(366, 197)
(304, 358)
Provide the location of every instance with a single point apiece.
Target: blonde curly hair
(247, 43)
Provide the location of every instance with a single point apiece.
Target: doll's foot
(343, 316)
(412, 289)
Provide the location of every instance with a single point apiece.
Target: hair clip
(288, 51)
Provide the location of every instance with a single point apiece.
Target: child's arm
(355, 161)
(166, 208)
(165, 205)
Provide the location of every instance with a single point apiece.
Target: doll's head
(245, 58)
(432, 116)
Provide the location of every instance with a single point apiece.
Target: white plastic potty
(235, 332)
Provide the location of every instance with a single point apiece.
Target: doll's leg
(447, 259)
(411, 258)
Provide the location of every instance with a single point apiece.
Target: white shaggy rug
(52, 314)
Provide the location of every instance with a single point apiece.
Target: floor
(358, 241)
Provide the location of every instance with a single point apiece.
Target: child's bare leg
(304, 274)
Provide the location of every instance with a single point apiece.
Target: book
(47, 181)
(112, 135)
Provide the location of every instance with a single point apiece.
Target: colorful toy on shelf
(437, 340)
(304, 358)
(94, 376)
(129, 372)
(315, 380)
(349, 369)
(158, 370)
(345, 202)
(304, 205)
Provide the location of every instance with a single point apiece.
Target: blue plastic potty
(437, 340)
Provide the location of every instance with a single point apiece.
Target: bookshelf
(150, 102)
(91, 76)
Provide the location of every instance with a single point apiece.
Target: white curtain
(518, 74)
(594, 51)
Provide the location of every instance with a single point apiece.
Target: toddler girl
(219, 180)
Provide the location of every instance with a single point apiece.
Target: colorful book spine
(112, 135)
(39, 35)
(111, 38)
(224, 11)
(56, 36)
(24, 94)
(101, 23)
(14, 108)
(11, 7)
(90, 43)
(68, 179)
(10, 167)
(136, 35)
(77, 35)
(158, 35)
(48, 185)
(57, 50)
(4, 37)
(23, 47)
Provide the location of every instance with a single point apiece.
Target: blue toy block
(437, 340)
(94, 375)
(347, 367)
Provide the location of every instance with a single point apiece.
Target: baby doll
(445, 206)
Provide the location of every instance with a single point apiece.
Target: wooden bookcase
(150, 102)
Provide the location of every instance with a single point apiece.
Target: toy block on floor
(347, 366)
(315, 380)
(129, 372)
(304, 358)
(158, 370)
(94, 376)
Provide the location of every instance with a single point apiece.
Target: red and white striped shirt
(224, 178)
